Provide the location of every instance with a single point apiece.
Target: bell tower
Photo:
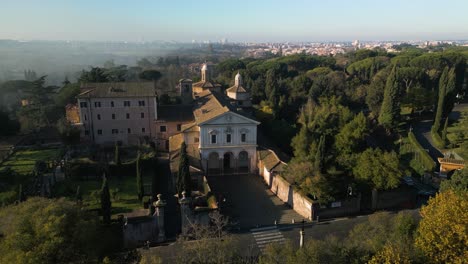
(205, 73)
(185, 91)
(238, 80)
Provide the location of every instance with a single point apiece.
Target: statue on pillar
(159, 216)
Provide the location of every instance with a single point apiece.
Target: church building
(223, 137)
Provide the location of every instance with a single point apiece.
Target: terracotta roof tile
(206, 84)
(236, 89)
(270, 160)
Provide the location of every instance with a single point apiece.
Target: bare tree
(207, 243)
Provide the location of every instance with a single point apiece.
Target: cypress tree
(440, 101)
(105, 201)
(117, 155)
(183, 176)
(390, 111)
(154, 179)
(139, 179)
(450, 92)
(21, 196)
(318, 162)
(444, 131)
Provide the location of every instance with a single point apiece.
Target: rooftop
(236, 89)
(172, 113)
(210, 104)
(117, 89)
(270, 160)
(206, 84)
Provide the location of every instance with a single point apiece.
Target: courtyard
(247, 201)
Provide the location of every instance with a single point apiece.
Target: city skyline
(240, 21)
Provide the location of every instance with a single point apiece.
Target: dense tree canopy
(458, 183)
(47, 231)
(442, 233)
(379, 168)
(150, 75)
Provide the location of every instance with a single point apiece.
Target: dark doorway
(227, 161)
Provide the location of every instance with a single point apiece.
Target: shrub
(437, 140)
(8, 197)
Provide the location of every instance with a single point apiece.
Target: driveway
(422, 132)
(248, 201)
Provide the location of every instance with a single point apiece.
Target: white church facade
(228, 143)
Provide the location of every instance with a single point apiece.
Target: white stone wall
(221, 131)
(222, 126)
(239, 96)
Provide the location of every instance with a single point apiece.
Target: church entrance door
(227, 161)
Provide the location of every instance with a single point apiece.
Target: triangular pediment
(230, 118)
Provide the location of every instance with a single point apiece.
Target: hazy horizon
(237, 21)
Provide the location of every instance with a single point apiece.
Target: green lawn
(23, 161)
(123, 192)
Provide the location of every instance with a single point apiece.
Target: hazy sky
(241, 20)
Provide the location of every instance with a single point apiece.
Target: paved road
(422, 132)
(456, 112)
(253, 242)
(249, 202)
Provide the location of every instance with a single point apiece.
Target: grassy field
(457, 133)
(22, 161)
(22, 164)
(123, 192)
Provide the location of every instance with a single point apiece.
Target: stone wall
(402, 197)
(346, 207)
(299, 202)
(279, 186)
(137, 231)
